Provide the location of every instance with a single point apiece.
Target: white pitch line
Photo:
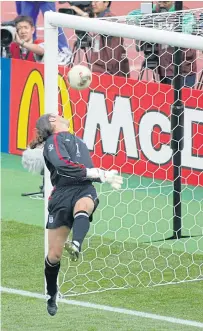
(106, 308)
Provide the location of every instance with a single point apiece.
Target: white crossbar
(123, 30)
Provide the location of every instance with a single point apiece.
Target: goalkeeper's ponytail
(44, 129)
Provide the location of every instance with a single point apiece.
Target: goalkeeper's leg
(82, 213)
(56, 240)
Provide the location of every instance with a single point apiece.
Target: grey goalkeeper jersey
(67, 157)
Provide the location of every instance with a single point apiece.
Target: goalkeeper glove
(105, 176)
(33, 160)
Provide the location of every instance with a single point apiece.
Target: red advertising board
(125, 123)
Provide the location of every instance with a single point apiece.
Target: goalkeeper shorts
(62, 202)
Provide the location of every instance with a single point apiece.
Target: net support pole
(177, 131)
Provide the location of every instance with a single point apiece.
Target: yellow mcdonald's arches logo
(35, 79)
(67, 111)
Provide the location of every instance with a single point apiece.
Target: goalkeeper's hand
(105, 176)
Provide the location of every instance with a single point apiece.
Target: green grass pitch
(117, 253)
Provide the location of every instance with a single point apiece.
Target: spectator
(108, 53)
(32, 9)
(189, 66)
(24, 47)
(165, 53)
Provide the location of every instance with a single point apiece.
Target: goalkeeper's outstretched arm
(66, 156)
(71, 158)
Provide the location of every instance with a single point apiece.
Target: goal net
(126, 124)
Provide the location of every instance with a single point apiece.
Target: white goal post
(54, 20)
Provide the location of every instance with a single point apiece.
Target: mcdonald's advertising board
(27, 102)
(125, 124)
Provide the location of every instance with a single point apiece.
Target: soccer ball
(79, 77)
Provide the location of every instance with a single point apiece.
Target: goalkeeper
(73, 199)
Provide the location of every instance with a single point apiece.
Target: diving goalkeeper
(73, 199)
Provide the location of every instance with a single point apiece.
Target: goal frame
(53, 20)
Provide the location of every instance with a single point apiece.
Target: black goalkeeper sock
(81, 226)
(51, 273)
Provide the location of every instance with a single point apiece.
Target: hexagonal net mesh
(125, 122)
